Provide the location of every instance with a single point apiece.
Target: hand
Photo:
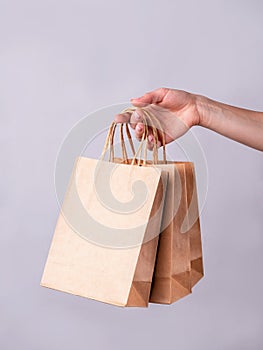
(176, 111)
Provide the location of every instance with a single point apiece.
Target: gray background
(61, 60)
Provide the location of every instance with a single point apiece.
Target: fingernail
(136, 116)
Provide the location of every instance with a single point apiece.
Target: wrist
(204, 106)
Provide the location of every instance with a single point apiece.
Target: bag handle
(109, 142)
(138, 154)
(149, 119)
(152, 118)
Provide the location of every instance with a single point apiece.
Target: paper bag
(107, 251)
(179, 263)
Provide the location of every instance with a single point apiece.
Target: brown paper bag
(194, 232)
(107, 253)
(179, 263)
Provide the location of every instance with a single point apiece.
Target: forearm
(239, 124)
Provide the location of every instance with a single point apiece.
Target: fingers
(136, 122)
(139, 129)
(132, 118)
(150, 142)
(136, 117)
(122, 118)
(152, 97)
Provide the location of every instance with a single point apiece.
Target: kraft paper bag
(179, 264)
(194, 232)
(105, 242)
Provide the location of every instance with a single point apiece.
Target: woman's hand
(176, 111)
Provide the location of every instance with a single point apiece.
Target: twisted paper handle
(149, 119)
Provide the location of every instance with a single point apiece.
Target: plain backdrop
(61, 60)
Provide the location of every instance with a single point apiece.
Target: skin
(179, 110)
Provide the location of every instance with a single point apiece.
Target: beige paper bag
(102, 252)
(194, 232)
(179, 264)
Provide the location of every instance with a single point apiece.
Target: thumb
(155, 96)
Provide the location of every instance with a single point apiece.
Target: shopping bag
(105, 242)
(179, 264)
